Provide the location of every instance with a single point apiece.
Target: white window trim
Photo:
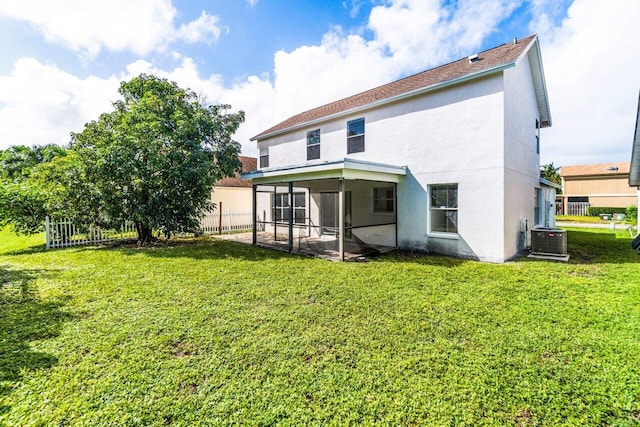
(441, 234)
(313, 145)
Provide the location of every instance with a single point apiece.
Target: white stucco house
(634, 170)
(444, 161)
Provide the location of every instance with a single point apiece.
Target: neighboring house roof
(248, 164)
(487, 62)
(600, 169)
(634, 173)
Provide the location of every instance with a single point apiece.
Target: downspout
(290, 216)
(395, 210)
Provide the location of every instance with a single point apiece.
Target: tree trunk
(144, 233)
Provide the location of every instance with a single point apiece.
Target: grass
(205, 332)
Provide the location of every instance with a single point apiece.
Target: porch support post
(254, 209)
(274, 198)
(341, 218)
(395, 209)
(290, 216)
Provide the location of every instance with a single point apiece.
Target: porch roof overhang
(548, 183)
(350, 169)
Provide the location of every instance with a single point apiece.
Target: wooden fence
(62, 233)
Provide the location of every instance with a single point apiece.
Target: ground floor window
(383, 200)
(280, 204)
(444, 208)
(537, 209)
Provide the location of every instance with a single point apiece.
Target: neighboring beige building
(599, 185)
(234, 194)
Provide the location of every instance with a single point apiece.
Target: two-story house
(444, 161)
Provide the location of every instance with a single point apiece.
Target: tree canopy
(550, 173)
(155, 158)
(27, 192)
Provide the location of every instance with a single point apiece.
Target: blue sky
(62, 61)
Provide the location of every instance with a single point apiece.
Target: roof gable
(490, 61)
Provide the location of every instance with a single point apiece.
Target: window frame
(313, 144)
(376, 197)
(354, 139)
(264, 157)
(447, 208)
(280, 208)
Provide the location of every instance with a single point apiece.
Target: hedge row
(597, 211)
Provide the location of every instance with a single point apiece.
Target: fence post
(47, 232)
(220, 218)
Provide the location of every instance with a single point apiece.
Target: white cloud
(204, 29)
(88, 27)
(421, 34)
(591, 63)
(43, 104)
(409, 35)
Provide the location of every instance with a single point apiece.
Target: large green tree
(29, 187)
(155, 158)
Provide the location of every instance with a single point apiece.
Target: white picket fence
(62, 233)
(577, 208)
(226, 222)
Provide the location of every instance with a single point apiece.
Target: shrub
(597, 211)
(632, 213)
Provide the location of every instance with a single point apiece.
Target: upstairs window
(264, 157)
(313, 144)
(444, 208)
(355, 136)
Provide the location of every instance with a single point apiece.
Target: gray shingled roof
(487, 60)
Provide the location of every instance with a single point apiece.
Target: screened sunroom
(339, 210)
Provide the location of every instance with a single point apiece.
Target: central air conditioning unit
(549, 241)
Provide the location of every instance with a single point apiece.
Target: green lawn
(206, 332)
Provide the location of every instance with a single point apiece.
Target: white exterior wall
(451, 136)
(521, 162)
